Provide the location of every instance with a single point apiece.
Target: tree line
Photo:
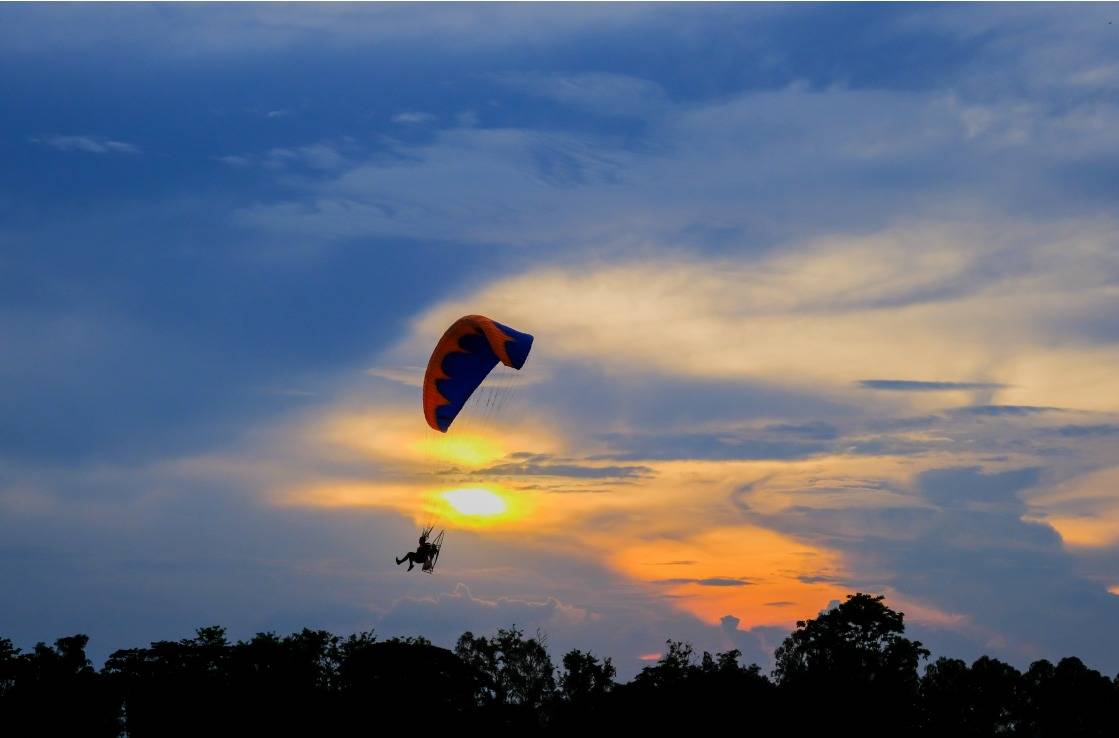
(849, 669)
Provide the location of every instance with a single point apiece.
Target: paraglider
(465, 355)
(462, 359)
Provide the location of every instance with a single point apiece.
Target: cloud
(817, 430)
(820, 579)
(851, 157)
(185, 34)
(972, 546)
(966, 485)
(769, 564)
(904, 385)
(598, 93)
(996, 410)
(546, 465)
(708, 581)
(322, 157)
(233, 160)
(467, 612)
(756, 644)
(410, 376)
(318, 158)
(1084, 509)
(412, 118)
(88, 144)
(815, 318)
(1080, 431)
(724, 445)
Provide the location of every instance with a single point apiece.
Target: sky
(824, 299)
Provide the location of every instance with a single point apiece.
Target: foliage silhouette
(679, 692)
(850, 665)
(516, 676)
(979, 701)
(54, 691)
(585, 677)
(852, 661)
(585, 685)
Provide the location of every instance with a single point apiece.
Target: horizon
(823, 300)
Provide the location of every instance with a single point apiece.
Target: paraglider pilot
(420, 555)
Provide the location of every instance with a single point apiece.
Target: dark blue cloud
(905, 385)
(970, 484)
(971, 552)
(1098, 430)
(817, 431)
(1003, 410)
(708, 581)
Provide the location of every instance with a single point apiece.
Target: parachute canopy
(466, 353)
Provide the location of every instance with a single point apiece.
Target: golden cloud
(909, 303)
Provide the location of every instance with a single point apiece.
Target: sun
(476, 508)
(476, 502)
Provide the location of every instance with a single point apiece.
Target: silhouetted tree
(1068, 700)
(9, 669)
(175, 688)
(356, 657)
(945, 697)
(848, 666)
(672, 668)
(677, 693)
(584, 677)
(283, 684)
(850, 662)
(54, 691)
(983, 700)
(405, 678)
(516, 676)
(584, 687)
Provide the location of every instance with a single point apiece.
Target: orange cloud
(758, 575)
(1083, 510)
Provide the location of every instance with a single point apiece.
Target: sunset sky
(825, 299)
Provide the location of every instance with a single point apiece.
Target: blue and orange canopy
(462, 359)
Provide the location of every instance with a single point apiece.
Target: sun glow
(467, 450)
(476, 502)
